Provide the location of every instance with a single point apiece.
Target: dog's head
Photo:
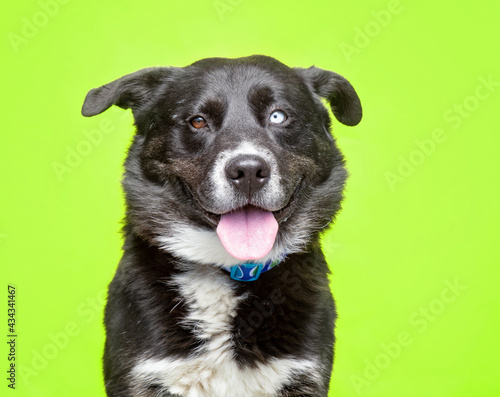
(233, 159)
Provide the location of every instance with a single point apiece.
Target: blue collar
(252, 271)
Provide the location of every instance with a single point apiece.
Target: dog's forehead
(227, 77)
(260, 62)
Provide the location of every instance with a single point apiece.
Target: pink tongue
(248, 233)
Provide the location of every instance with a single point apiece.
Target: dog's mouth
(248, 232)
(280, 215)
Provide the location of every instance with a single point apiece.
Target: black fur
(289, 311)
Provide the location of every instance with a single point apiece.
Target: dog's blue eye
(277, 117)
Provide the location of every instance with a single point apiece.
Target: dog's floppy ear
(127, 92)
(343, 100)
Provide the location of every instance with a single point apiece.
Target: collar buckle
(246, 271)
(252, 271)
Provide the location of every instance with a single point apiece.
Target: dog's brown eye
(198, 122)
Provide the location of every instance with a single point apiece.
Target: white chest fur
(213, 372)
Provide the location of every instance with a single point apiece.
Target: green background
(414, 252)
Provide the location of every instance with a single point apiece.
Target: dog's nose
(248, 173)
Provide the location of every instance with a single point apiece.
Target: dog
(223, 289)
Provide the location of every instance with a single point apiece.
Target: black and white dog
(223, 290)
